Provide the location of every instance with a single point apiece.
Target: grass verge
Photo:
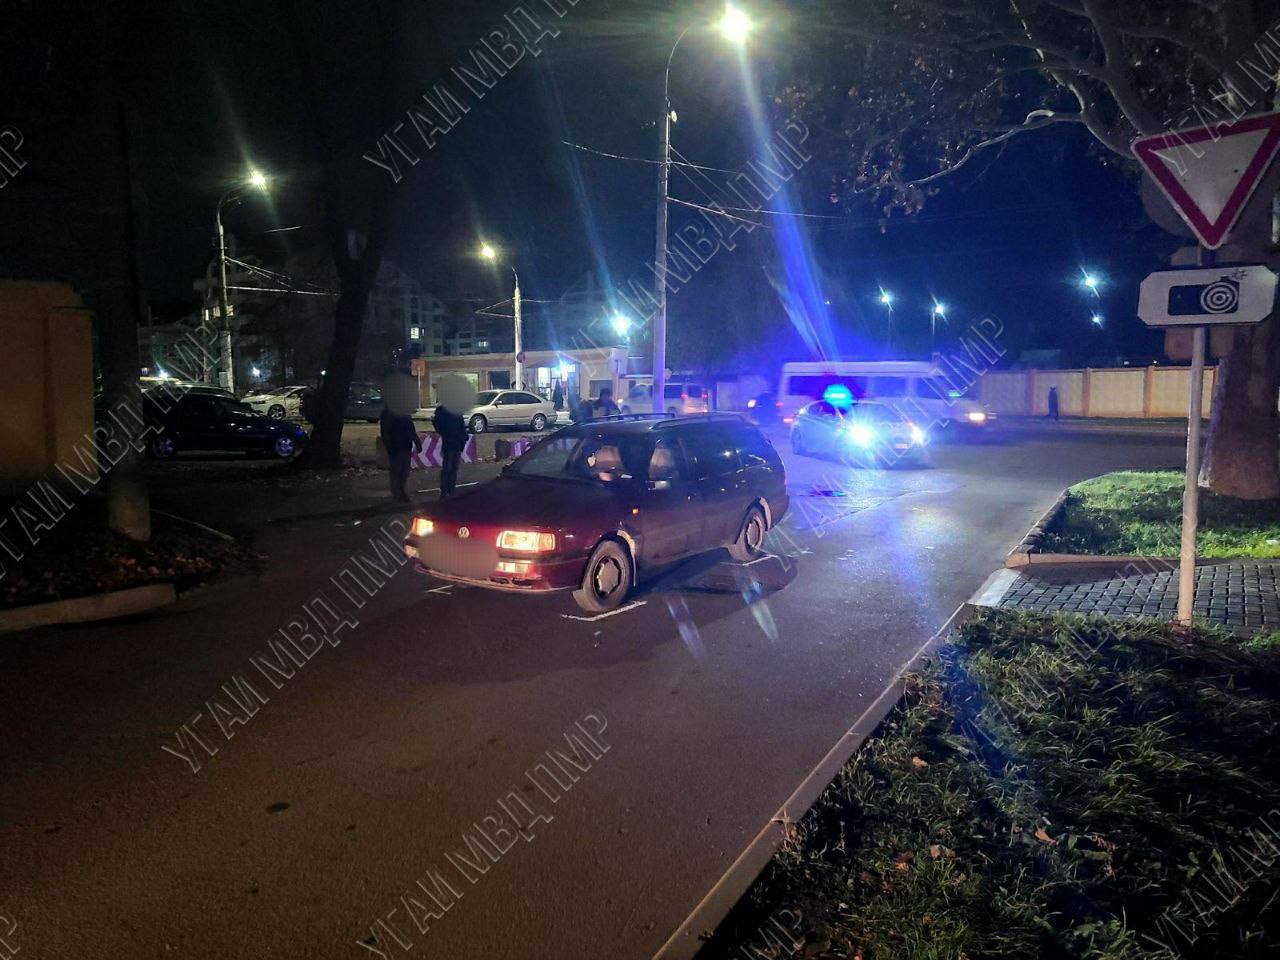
(1140, 513)
(1051, 787)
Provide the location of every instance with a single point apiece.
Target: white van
(915, 387)
(681, 398)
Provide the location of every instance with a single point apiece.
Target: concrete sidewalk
(1094, 425)
(1242, 596)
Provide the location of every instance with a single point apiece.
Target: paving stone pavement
(1240, 595)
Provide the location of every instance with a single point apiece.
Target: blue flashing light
(838, 395)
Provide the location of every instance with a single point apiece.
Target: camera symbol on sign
(1220, 296)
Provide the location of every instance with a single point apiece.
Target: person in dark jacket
(604, 406)
(453, 438)
(557, 397)
(400, 437)
(1053, 403)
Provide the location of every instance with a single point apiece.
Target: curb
(1020, 561)
(102, 606)
(711, 910)
(1035, 536)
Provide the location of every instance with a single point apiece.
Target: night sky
(1009, 236)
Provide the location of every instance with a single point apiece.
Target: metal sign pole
(1191, 490)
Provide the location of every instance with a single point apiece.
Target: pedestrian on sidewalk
(453, 438)
(557, 397)
(400, 437)
(1053, 403)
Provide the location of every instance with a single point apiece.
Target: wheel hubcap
(608, 576)
(754, 534)
(284, 447)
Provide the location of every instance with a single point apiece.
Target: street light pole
(225, 358)
(660, 252)
(519, 337)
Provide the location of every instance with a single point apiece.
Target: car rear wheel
(750, 542)
(478, 424)
(607, 579)
(284, 447)
(162, 447)
(539, 423)
(275, 412)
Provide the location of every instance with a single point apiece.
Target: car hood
(532, 501)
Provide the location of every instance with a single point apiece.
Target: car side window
(753, 449)
(198, 407)
(526, 398)
(714, 452)
(822, 409)
(666, 464)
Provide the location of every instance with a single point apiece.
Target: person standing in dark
(557, 397)
(400, 437)
(453, 438)
(1053, 403)
(604, 405)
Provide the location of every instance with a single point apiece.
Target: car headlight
(526, 541)
(423, 527)
(751, 404)
(862, 435)
(918, 435)
(976, 416)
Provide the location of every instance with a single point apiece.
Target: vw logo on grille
(463, 533)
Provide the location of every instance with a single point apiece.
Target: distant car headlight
(976, 416)
(423, 527)
(918, 435)
(862, 435)
(526, 541)
(751, 404)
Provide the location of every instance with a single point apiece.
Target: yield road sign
(1207, 295)
(1209, 173)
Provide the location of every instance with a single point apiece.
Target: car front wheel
(539, 423)
(478, 424)
(284, 447)
(275, 412)
(750, 542)
(607, 579)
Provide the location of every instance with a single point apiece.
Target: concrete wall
(1120, 392)
(46, 380)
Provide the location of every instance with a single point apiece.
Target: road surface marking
(611, 613)
(469, 483)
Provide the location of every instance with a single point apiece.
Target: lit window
(415, 333)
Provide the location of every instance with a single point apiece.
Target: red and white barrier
(432, 454)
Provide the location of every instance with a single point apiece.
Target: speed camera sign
(1207, 295)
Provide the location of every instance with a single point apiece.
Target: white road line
(752, 563)
(611, 613)
(469, 483)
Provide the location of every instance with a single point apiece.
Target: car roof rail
(618, 417)
(715, 417)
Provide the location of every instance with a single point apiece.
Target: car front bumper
(481, 565)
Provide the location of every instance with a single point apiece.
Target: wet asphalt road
(369, 768)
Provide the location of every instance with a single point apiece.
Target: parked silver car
(509, 408)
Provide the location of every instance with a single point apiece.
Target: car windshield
(876, 413)
(486, 398)
(592, 457)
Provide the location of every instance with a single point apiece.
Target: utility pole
(519, 344)
(660, 254)
(225, 359)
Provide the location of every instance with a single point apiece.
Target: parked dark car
(869, 434)
(198, 421)
(598, 506)
(363, 403)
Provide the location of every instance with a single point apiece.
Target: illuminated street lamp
(489, 252)
(939, 310)
(258, 181)
(887, 299)
(1097, 319)
(1090, 282)
(621, 324)
(734, 26)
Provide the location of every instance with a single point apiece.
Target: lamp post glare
(1097, 319)
(489, 252)
(621, 324)
(886, 298)
(257, 180)
(1090, 282)
(939, 310)
(734, 25)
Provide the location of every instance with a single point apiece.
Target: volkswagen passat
(596, 507)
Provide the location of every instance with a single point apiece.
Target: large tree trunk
(348, 322)
(1242, 457)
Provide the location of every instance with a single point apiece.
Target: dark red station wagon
(596, 507)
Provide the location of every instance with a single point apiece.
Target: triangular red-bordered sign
(1210, 173)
